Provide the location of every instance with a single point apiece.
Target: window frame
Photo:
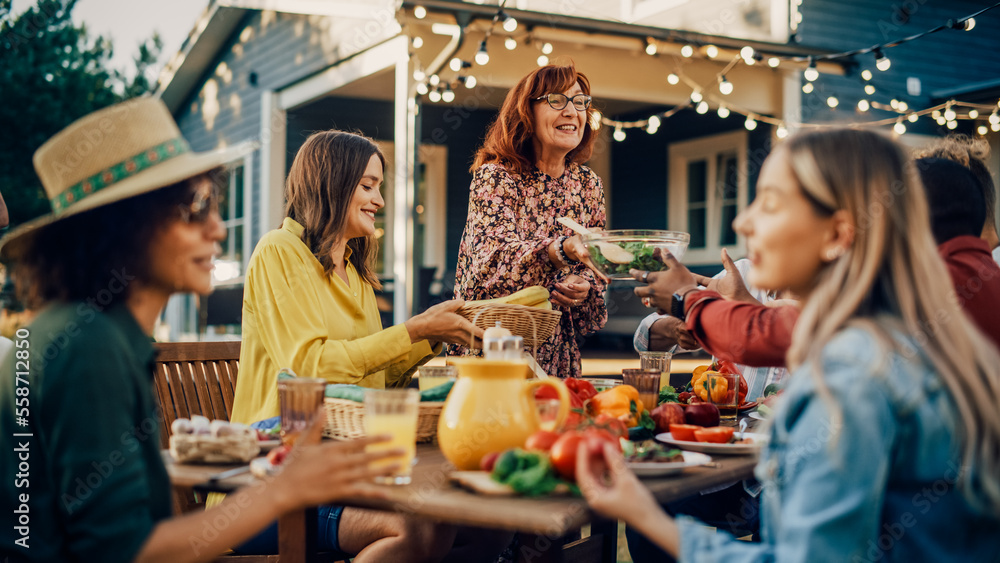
(709, 149)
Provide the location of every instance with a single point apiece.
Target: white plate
(758, 441)
(261, 467)
(662, 469)
(757, 416)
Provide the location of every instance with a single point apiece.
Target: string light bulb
(902, 106)
(773, 62)
(952, 124)
(542, 60)
(725, 86)
(419, 75)
(869, 89)
(702, 107)
(811, 74)
(832, 101)
(894, 103)
(723, 112)
(482, 56)
(711, 51)
(750, 123)
(418, 42)
(509, 23)
(652, 124)
(650, 47)
(995, 127)
(882, 62)
(807, 87)
(619, 134)
(470, 82)
(940, 120)
(420, 12)
(748, 54)
(696, 96)
(782, 131)
(912, 118)
(687, 51)
(973, 113)
(866, 74)
(547, 48)
(510, 43)
(899, 128)
(448, 95)
(434, 80)
(982, 129)
(434, 96)
(949, 114)
(863, 105)
(994, 118)
(673, 79)
(455, 64)
(422, 89)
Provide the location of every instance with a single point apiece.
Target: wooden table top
(431, 494)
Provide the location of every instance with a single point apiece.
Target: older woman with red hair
(528, 173)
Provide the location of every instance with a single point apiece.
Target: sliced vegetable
(683, 432)
(715, 435)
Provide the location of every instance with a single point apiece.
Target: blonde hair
(891, 277)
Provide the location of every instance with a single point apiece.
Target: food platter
(759, 440)
(663, 469)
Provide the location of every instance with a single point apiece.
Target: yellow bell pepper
(621, 402)
(710, 381)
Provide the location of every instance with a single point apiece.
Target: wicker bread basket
(346, 419)
(532, 324)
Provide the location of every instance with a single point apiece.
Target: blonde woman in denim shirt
(886, 446)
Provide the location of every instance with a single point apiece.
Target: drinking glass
(647, 382)
(393, 412)
(657, 361)
(729, 403)
(430, 377)
(300, 399)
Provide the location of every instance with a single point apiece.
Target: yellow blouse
(296, 316)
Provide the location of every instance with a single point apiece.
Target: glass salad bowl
(615, 252)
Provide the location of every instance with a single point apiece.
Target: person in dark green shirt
(135, 220)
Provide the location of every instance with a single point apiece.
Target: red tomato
(541, 440)
(715, 434)
(683, 431)
(563, 453)
(488, 461)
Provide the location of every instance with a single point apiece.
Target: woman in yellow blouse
(309, 305)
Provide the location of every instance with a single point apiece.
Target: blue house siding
(942, 60)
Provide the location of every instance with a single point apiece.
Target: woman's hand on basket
(571, 292)
(333, 470)
(442, 323)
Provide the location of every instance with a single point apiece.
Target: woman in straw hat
(134, 220)
(886, 442)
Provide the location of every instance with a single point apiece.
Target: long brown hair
(324, 175)
(891, 277)
(509, 139)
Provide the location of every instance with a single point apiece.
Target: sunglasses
(559, 101)
(203, 203)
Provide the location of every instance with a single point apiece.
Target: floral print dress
(512, 222)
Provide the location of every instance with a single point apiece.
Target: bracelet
(562, 251)
(559, 250)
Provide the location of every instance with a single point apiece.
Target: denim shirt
(877, 486)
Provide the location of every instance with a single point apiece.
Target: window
(708, 188)
(231, 263)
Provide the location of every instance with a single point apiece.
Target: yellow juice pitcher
(491, 408)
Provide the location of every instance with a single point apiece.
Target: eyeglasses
(204, 202)
(558, 101)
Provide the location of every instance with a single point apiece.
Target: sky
(129, 22)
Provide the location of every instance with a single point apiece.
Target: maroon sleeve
(753, 335)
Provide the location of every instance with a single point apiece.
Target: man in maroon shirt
(756, 335)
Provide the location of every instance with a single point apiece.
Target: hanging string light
(673, 79)
(782, 131)
(899, 128)
(723, 112)
(773, 62)
(510, 43)
(420, 12)
(418, 42)
(509, 23)
(807, 87)
(542, 60)
(619, 134)
(687, 51)
(711, 51)
(650, 46)
(866, 74)
(750, 123)
(882, 62)
(863, 105)
(654, 124)
(448, 95)
(811, 74)
(482, 56)
(725, 86)
(547, 48)
(702, 107)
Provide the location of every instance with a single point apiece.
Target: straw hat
(113, 154)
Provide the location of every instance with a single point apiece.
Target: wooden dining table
(549, 527)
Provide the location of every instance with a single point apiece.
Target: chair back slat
(195, 378)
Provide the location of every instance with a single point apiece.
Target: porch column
(403, 224)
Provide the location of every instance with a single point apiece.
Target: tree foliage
(52, 73)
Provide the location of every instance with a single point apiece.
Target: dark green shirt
(90, 470)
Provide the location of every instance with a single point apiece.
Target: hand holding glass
(393, 412)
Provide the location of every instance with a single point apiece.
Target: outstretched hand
(662, 285)
(442, 323)
(730, 286)
(610, 488)
(317, 473)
